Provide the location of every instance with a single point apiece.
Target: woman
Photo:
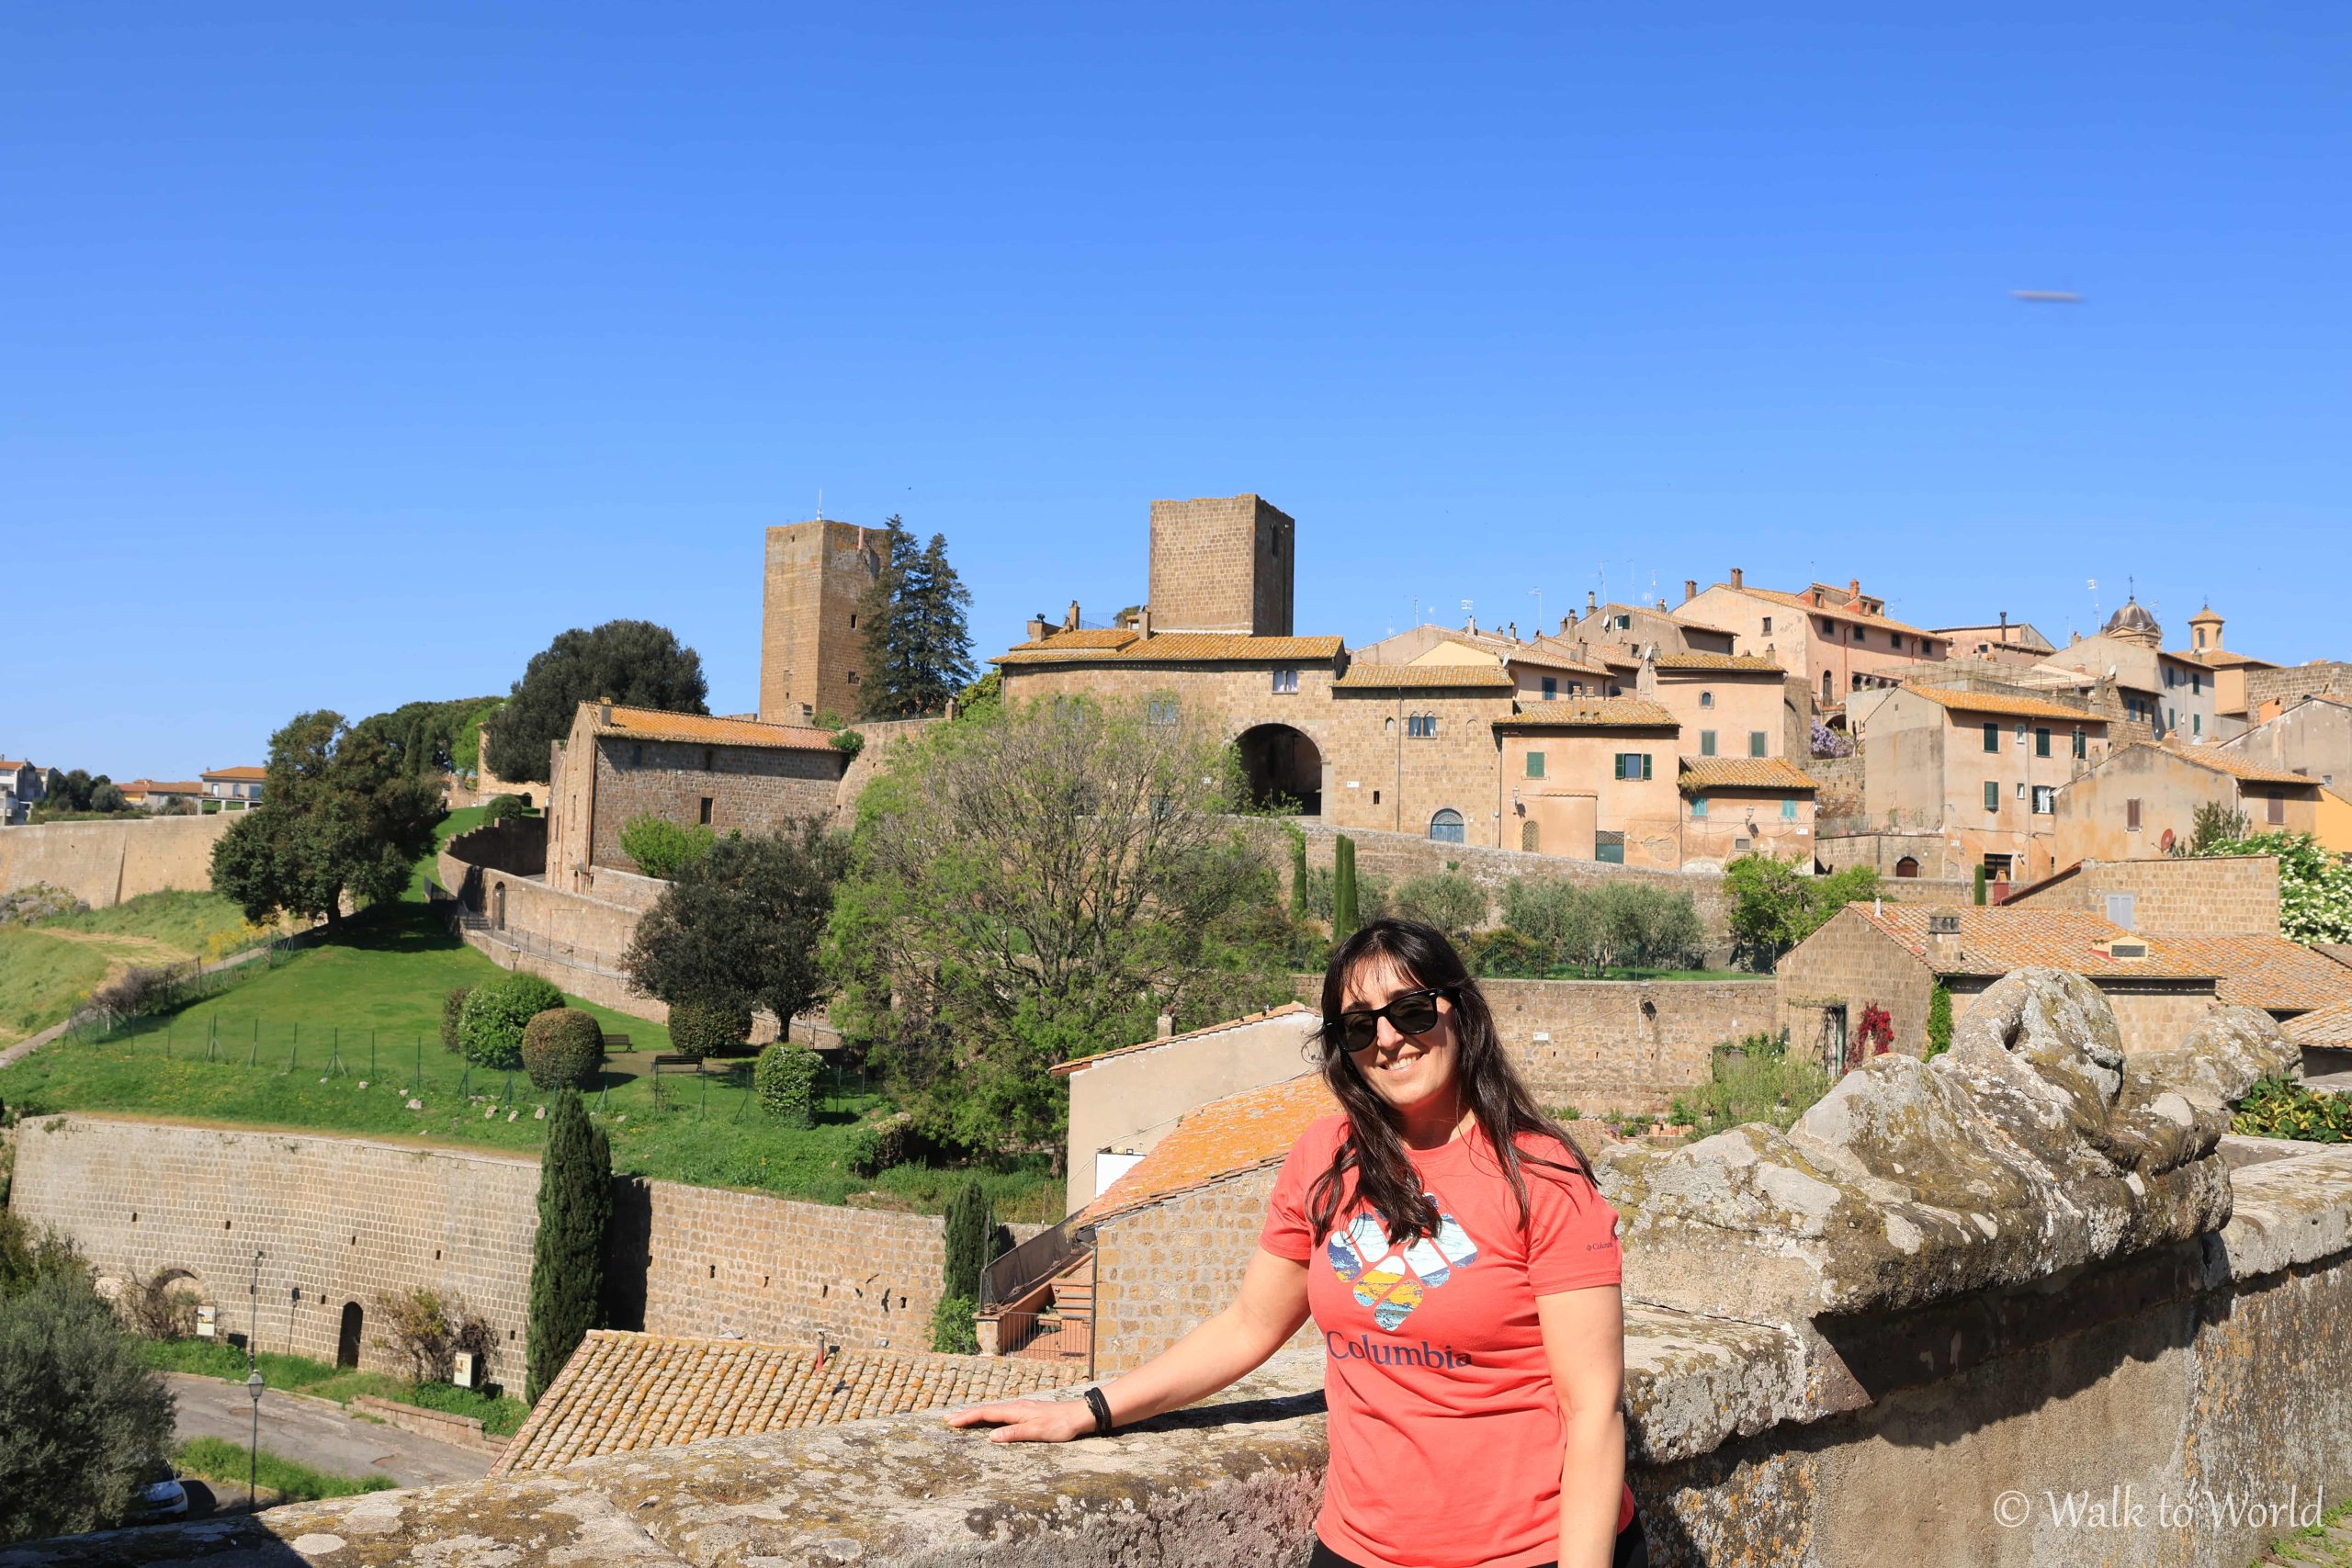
(1451, 1244)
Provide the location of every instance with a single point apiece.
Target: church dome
(2132, 619)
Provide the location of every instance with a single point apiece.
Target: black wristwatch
(1101, 1408)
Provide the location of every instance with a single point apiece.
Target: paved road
(319, 1435)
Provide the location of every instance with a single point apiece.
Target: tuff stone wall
(1159, 1271)
(2228, 895)
(1222, 564)
(2320, 678)
(753, 788)
(102, 863)
(882, 736)
(810, 646)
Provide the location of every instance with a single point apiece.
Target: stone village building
(2142, 800)
(1832, 641)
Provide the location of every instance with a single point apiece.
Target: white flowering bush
(2314, 886)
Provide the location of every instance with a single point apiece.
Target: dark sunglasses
(1413, 1012)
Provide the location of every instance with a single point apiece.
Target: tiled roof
(2329, 1026)
(623, 1392)
(1614, 607)
(9, 767)
(1589, 713)
(1995, 702)
(1063, 1069)
(1702, 773)
(2223, 763)
(2225, 659)
(1241, 1132)
(1835, 612)
(1402, 677)
(652, 724)
(2268, 972)
(1759, 662)
(229, 775)
(1171, 648)
(156, 786)
(1082, 636)
(1994, 941)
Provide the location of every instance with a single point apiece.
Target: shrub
(562, 1048)
(1939, 1020)
(453, 1007)
(785, 1079)
(501, 806)
(2281, 1108)
(848, 743)
(37, 901)
(1505, 953)
(952, 1329)
(160, 1307)
(1755, 1080)
(1446, 900)
(137, 992)
(491, 1021)
(1344, 888)
(81, 1421)
(430, 1328)
(708, 1028)
(663, 848)
(875, 1147)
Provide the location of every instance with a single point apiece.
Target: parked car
(162, 1498)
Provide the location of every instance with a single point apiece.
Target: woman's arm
(1584, 1339)
(1264, 1313)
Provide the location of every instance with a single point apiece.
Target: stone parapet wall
(102, 863)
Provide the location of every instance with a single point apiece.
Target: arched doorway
(1529, 839)
(1445, 828)
(1826, 689)
(498, 907)
(1906, 866)
(1283, 765)
(347, 1341)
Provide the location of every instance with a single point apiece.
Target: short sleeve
(1287, 1232)
(1571, 1233)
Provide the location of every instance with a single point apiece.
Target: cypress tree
(1343, 888)
(567, 1256)
(970, 1224)
(1980, 884)
(1298, 875)
(1939, 1020)
(917, 644)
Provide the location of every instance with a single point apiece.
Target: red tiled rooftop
(1242, 1131)
(654, 724)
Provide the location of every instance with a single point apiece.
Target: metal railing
(1033, 1262)
(1045, 1336)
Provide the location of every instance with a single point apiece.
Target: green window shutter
(1706, 743)
(1992, 795)
(1645, 765)
(1535, 764)
(1756, 742)
(1992, 738)
(2042, 741)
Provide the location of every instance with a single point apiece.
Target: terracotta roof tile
(1994, 941)
(1405, 677)
(2226, 763)
(2223, 658)
(1083, 637)
(243, 774)
(623, 1392)
(9, 767)
(1590, 713)
(1704, 774)
(158, 787)
(2268, 972)
(1835, 612)
(2330, 1026)
(1176, 647)
(2000, 702)
(1242, 1131)
(652, 724)
(1066, 1068)
(1761, 663)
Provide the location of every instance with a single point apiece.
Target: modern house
(235, 788)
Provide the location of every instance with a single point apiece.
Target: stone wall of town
(2225, 895)
(2320, 678)
(102, 863)
(752, 788)
(882, 736)
(1159, 1270)
(1221, 564)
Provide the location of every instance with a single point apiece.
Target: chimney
(1143, 620)
(1854, 587)
(604, 710)
(1069, 621)
(1167, 1025)
(1037, 627)
(1591, 605)
(1737, 577)
(1690, 589)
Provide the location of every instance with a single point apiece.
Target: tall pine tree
(567, 1256)
(918, 646)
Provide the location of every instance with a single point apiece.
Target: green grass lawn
(450, 826)
(218, 1459)
(49, 967)
(40, 979)
(500, 1414)
(188, 922)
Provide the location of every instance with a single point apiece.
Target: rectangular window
(1788, 809)
(2082, 742)
(1535, 764)
(2196, 724)
(2197, 682)
(1756, 740)
(1698, 807)
(1624, 622)
(2121, 908)
(1421, 726)
(2172, 676)
(1992, 737)
(705, 817)
(1551, 687)
(2277, 812)
(2020, 789)
(1768, 626)
(1163, 710)
(2172, 719)
(2130, 816)
(2045, 799)
(2041, 741)
(1633, 764)
(1992, 795)
(1286, 681)
(1706, 743)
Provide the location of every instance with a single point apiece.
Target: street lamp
(253, 1454)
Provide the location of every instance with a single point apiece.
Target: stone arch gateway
(1281, 763)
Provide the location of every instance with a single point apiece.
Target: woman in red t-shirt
(1449, 1241)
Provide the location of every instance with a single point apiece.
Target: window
(1788, 809)
(710, 759)
(2172, 719)
(1551, 687)
(2082, 743)
(2041, 741)
(705, 817)
(2020, 736)
(1163, 710)
(853, 622)
(1756, 740)
(1706, 699)
(2020, 789)
(2197, 680)
(2045, 799)
(1528, 839)
(1633, 764)
(2130, 816)
(1698, 808)
(1992, 737)
(1446, 827)
(1421, 726)
(636, 753)
(1768, 626)
(1286, 681)
(1706, 743)
(2172, 676)
(2121, 908)
(1623, 623)
(1825, 688)
(1535, 764)
(852, 677)
(2196, 724)
(2277, 813)
(1992, 795)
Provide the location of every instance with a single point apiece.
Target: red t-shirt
(1422, 1338)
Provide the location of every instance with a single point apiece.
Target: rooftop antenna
(2094, 587)
(820, 504)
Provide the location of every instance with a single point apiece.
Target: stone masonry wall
(1850, 962)
(104, 863)
(810, 647)
(1221, 564)
(1159, 1271)
(2230, 895)
(754, 788)
(2318, 679)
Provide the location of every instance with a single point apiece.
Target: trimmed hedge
(562, 1048)
(491, 1022)
(708, 1029)
(785, 1080)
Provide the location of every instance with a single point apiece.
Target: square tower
(1221, 564)
(812, 646)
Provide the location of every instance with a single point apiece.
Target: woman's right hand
(1029, 1420)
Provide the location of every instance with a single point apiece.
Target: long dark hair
(1371, 1163)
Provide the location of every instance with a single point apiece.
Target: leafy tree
(422, 736)
(2314, 886)
(453, 1011)
(492, 1019)
(981, 696)
(106, 797)
(1297, 872)
(743, 924)
(663, 848)
(967, 1230)
(2214, 824)
(1977, 891)
(430, 1328)
(499, 807)
(1553, 914)
(1036, 884)
(700, 1028)
(1451, 902)
(1773, 909)
(72, 790)
(918, 647)
(338, 815)
(634, 662)
(465, 751)
(81, 1421)
(784, 1077)
(568, 1254)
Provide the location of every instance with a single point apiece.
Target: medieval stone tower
(1221, 564)
(812, 646)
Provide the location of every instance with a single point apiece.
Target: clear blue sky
(348, 358)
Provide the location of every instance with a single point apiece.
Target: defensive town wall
(102, 863)
(2024, 1305)
(339, 1220)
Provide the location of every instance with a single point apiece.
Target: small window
(1768, 626)
(1551, 687)
(1633, 765)
(1623, 622)
(1992, 795)
(1706, 743)
(710, 759)
(2020, 789)
(2172, 719)
(705, 816)
(1286, 681)
(1421, 726)
(1756, 742)
(1699, 808)
(1529, 839)
(636, 753)
(1445, 828)
(1376, 798)
(1706, 699)
(2130, 816)
(852, 677)
(1163, 710)
(2121, 908)
(853, 620)
(1992, 737)
(2042, 741)
(1788, 809)
(2082, 743)
(2196, 724)
(2020, 734)
(2196, 681)
(1535, 764)
(2277, 812)
(2045, 800)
